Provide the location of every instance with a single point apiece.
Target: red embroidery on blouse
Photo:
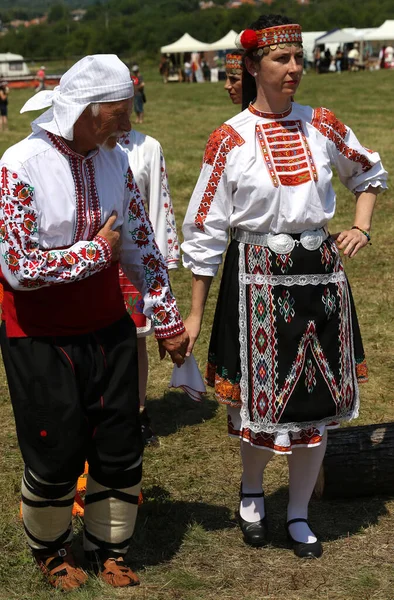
(23, 257)
(4, 182)
(24, 193)
(286, 152)
(220, 143)
(216, 139)
(80, 215)
(94, 202)
(328, 125)
(268, 115)
(87, 200)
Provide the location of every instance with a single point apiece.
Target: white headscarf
(96, 78)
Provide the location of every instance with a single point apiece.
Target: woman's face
(233, 86)
(279, 72)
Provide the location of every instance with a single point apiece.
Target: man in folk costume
(146, 160)
(70, 212)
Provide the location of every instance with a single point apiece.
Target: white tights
(304, 465)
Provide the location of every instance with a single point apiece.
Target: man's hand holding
(176, 348)
(112, 236)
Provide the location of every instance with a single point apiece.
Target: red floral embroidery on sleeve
(28, 265)
(157, 296)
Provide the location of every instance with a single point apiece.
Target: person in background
(353, 58)
(69, 347)
(196, 67)
(317, 58)
(206, 71)
(285, 353)
(4, 91)
(139, 93)
(382, 64)
(147, 164)
(41, 79)
(338, 60)
(188, 71)
(164, 67)
(388, 56)
(233, 83)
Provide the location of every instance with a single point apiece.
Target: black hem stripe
(47, 503)
(106, 545)
(90, 498)
(54, 545)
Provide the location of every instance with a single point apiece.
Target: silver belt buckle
(312, 239)
(281, 243)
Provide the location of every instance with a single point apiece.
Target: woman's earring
(254, 74)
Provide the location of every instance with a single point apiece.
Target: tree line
(126, 27)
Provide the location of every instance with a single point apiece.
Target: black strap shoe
(303, 549)
(256, 533)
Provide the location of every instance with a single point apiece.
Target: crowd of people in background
(350, 59)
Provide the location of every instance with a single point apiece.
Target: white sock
(304, 466)
(254, 462)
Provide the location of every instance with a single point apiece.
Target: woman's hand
(193, 327)
(350, 241)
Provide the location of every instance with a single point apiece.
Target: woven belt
(282, 243)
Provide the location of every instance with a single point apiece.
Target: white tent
(347, 35)
(13, 65)
(339, 36)
(383, 33)
(225, 43)
(185, 44)
(309, 42)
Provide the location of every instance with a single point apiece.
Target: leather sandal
(255, 533)
(59, 568)
(111, 568)
(303, 549)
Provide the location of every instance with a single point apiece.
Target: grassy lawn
(187, 545)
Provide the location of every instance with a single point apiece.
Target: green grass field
(187, 545)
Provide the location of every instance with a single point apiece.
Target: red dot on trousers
(43, 433)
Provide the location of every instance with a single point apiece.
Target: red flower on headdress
(249, 39)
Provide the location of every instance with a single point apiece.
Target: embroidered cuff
(169, 331)
(173, 263)
(105, 247)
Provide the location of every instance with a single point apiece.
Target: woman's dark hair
(248, 82)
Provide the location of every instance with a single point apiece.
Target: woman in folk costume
(146, 160)
(233, 83)
(285, 353)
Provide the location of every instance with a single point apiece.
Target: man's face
(103, 129)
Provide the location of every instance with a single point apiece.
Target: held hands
(112, 236)
(350, 241)
(176, 348)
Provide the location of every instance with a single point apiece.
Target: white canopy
(383, 33)
(185, 44)
(339, 36)
(309, 42)
(225, 43)
(347, 35)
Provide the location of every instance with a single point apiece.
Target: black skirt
(285, 345)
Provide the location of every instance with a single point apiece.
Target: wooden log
(359, 462)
